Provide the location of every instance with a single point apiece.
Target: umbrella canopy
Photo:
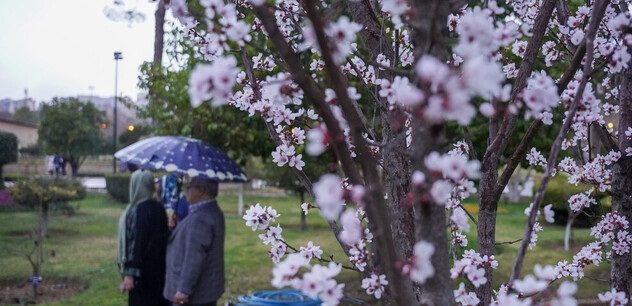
(182, 155)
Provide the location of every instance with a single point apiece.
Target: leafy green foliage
(117, 186)
(129, 137)
(71, 128)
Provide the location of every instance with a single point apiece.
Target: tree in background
(131, 136)
(8, 152)
(170, 109)
(26, 115)
(70, 128)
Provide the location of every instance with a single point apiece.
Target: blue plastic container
(285, 297)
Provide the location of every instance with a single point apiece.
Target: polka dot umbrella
(182, 155)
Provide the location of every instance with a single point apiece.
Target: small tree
(8, 152)
(71, 128)
(40, 194)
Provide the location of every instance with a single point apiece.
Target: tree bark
(394, 160)
(568, 230)
(621, 273)
(74, 167)
(159, 33)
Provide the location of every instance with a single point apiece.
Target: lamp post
(117, 56)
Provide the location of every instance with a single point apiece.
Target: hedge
(117, 186)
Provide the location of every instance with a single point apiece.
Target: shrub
(117, 186)
(31, 192)
(559, 191)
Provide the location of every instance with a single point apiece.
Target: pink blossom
(613, 297)
(213, 81)
(328, 192)
(317, 140)
(311, 250)
(374, 285)
(258, 217)
(351, 227)
(529, 285)
(421, 267)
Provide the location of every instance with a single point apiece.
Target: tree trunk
(621, 272)
(396, 185)
(486, 227)
(568, 230)
(1, 177)
(74, 167)
(159, 34)
(44, 220)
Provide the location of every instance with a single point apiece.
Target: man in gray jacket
(195, 253)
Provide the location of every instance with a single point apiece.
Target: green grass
(85, 246)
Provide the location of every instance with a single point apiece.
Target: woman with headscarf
(143, 235)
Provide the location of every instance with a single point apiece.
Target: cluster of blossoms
(598, 171)
(535, 158)
(464, 297)
(419, 268)
(588, 113)
(612, 229)
(473, 266)
(374, 285)
(540, 96)
(213, 81)
(613, 298)
(564, 295)
(549, 216)
(341, 34)
(453, 171)
(582, 200)
(318, 283)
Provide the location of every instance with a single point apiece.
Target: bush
(31, 192)
(117, 186)
(8, 152)
(559, 191)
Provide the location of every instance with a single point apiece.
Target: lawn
(85, 247)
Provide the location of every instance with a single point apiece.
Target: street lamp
(117, 56)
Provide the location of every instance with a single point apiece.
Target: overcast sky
(62, 47)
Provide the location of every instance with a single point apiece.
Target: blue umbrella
(182, 155)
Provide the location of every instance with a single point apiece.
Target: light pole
(117, 56)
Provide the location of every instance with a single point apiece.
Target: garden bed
(50, 290)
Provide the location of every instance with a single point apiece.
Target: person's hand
(128, 284)
(180, 298)
(172, 221)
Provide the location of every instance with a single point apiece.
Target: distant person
(143, 235)
(58, 162)
(195, 254)
(50, 164)
(171, 190)
(63, 166)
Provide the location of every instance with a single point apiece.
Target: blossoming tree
(379, 83)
